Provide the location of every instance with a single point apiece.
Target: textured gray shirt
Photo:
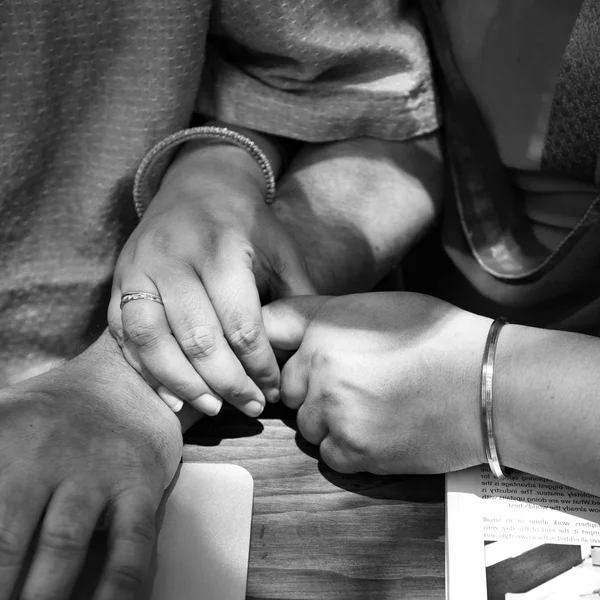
(87, 87)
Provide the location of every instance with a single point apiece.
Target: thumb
(287, 320)
(294, 280)
(299, 284)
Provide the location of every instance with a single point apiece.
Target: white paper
(517, 517)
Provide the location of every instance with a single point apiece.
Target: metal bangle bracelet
(487, 397)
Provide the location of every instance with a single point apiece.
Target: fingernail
(253, 408)
(207, 404)
(272, 395)
(177, 406)
(175, 403)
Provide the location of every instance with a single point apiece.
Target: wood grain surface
(317, 534)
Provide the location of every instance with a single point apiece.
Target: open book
(521, 538)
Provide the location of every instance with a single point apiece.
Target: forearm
(546, 407)
(356, 207)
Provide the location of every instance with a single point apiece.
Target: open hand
(74, 448)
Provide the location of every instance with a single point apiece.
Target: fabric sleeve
(320, 70)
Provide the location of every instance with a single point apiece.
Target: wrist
(215, 157)
(209, 159)
(215, 168)
(272, 148)
(109, 351)
(474, 330)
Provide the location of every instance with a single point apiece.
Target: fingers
(146, 327)
(337, 450)
(234, 296)
(294, 381)
(63, 542)
(311, 424)
(286, 320)
(337, 458)
(197, 361)
(151, 349)
(115, 325)
(295, 393)
(200, 334)
(21, 507)
(337, 447)
(131, 544)
(205, 403)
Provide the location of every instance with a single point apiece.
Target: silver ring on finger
(131, 296)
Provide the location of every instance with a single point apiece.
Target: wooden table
(320, 535)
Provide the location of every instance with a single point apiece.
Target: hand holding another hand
(383, 382)
(211, 249)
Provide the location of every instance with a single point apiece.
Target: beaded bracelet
(210, 133)
(487, 379)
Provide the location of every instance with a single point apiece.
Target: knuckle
(142, 333)
(143, 530)
(12, 547)
(37, 595)
(352, 444)
(186, 390)
(64, 541)
(130, 579)
(332, 403)
(221, 249)
(200, 342)
(245, 337)
(307, 430)
(337, 459)
(350, 449)
(116, 329)
(320, 360)
(213, 240)
(236, 395)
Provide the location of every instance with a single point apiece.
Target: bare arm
(546, 407)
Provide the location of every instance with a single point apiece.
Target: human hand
(383, 382)
(86, 439)
(210, 249)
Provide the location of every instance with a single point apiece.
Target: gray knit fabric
(572, 145)
(88, 86)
